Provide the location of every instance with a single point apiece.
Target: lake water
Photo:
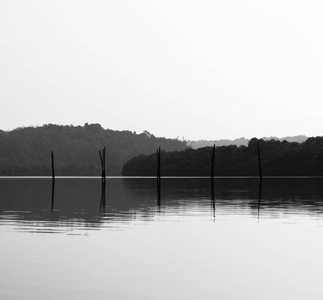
(237, 240)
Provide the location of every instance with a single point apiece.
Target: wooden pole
(53, 166)
(212, 180)
(103, 171)
(158, 179)
(158, 163)
(259, 162)
(53, 180)
(158, 194)
(102, 159)
(212, 162)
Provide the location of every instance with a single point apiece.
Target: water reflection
(212, 197)
(158, 193)
(74, 202)
(53, 195)
(102, 200)
(259, 196)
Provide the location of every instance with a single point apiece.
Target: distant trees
(242, 141)
(278, 158)
(26, 151)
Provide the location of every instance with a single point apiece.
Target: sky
(188, 69)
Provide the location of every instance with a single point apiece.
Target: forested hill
(278, 158)
(26, 151)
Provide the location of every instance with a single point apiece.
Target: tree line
(241, 141)
(26, 151)
(278, 158)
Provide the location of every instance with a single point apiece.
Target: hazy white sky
(198, 69)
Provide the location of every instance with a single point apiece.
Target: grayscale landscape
(161, 150)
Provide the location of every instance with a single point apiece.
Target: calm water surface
(237, 240)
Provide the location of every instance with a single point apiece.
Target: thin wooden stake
(212, 180)
(158, 163)
(102, 159)
(212, 161)
(53, 166)
(158, 194)
(103, 171)
(158, 180)
(259, 162)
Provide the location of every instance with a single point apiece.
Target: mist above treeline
(26, 151)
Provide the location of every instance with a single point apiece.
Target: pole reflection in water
(102, 200)
(212, 198)
(70, 201)
(53, 195)
(118, 250)
(158, 193)
(158, 180)
(259, 197)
